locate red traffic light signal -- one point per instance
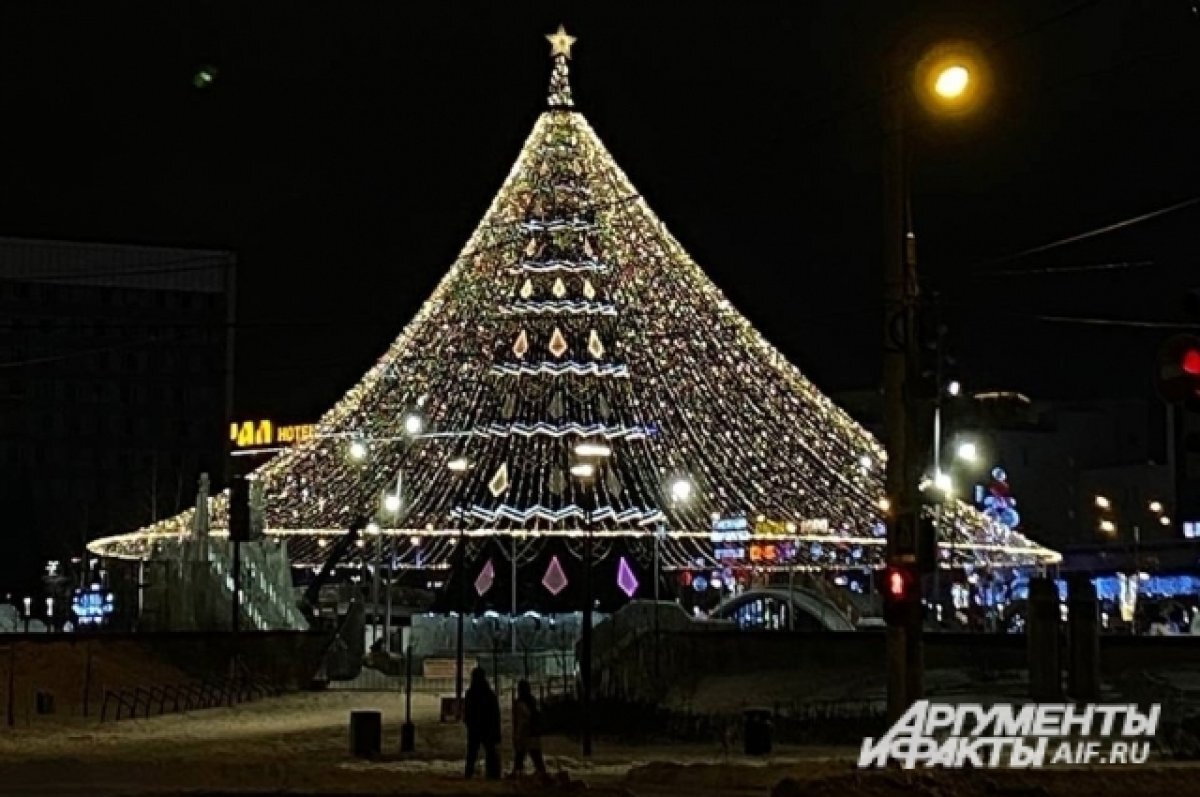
(900, 587)
(1178, 373)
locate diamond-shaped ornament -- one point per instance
(587, 248)
(558, 344)
(555, 580)
(486, 577)
(508, 407)
(521, 345)
(499, 483)
(612, 483)
(589, 292)
(556, 408)
(527, 289)
(602, 408)
(559, 289)
(595, 347)
(626, 580)
(557, 481)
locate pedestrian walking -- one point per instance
(527, 731)
(481, 713)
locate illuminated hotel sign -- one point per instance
(735, 540)
(262, 434)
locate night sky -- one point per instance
(345, 152)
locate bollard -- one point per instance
(1083, 638)
(1042, 640)
(366, 733)
(756, 731)
(408, 732)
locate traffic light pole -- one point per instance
(900, 372)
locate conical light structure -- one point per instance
(572, 313)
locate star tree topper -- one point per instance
(560, 42)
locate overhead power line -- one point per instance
(1083, 236)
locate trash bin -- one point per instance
(366, 733)
(756, 731)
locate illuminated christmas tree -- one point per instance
(573, 316)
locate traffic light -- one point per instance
(239, 509)
(900, 586)
(1178, 381)
(1178, 374)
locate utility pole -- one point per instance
(585, 643)
(460, 569)
(900, 373)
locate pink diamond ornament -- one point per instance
(555, 579)
(483, 582)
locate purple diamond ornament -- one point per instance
(626, 580)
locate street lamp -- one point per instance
(681, 489)
(952, 81)
(943, 90)
(968, 451)
(414, 424)
(1102, 502)
(586, 472)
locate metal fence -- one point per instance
(141, 701)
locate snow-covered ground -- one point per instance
(298, 744)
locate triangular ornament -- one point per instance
(558, 289)
(555, 580)
(589, 292)
(499, 483)
(527, 289)
(531, 248)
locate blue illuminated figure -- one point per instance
(997, 502)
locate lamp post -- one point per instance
(358, 451)
(460, 567)
(586, 469)
(681, 492)
(947, 83)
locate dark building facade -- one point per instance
(115, 388)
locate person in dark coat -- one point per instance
(527, 731)
(481, 713)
